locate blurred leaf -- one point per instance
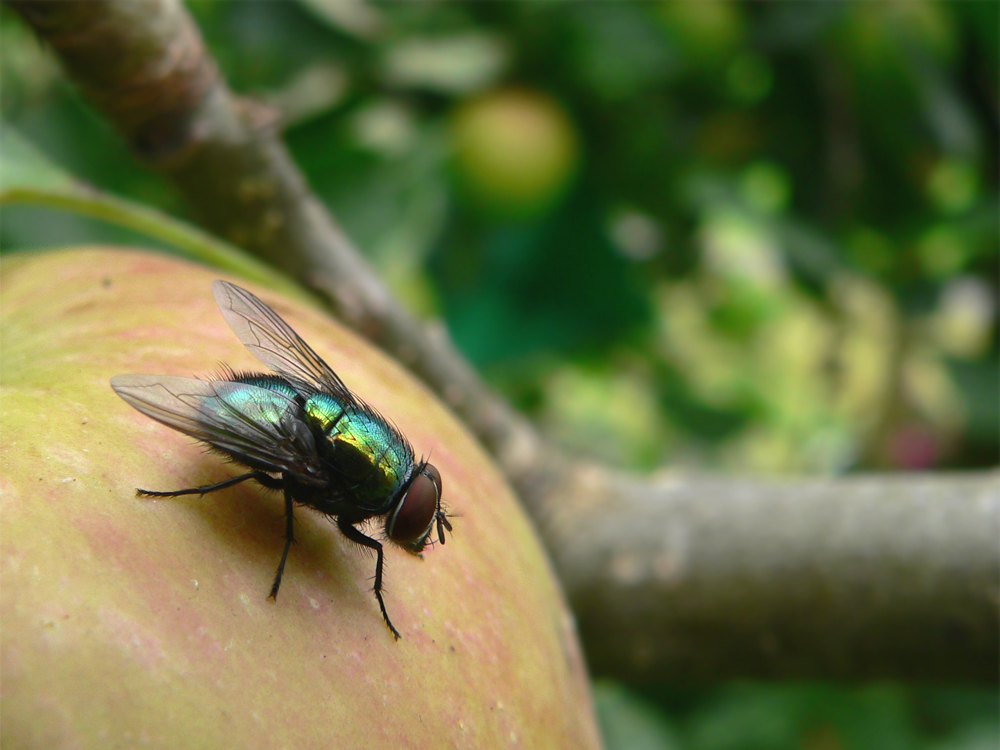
(979, 736)
(24, 167)
(553, 286)
(977, 383)
(629, 722)
(352, 16)
(461, 64)
(707, 33)
(315, 90)
(28, 177)
(953, 185)
(618, 50)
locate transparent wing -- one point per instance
(254, 425)
(273, 342)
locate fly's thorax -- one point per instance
(325, 412)
(367, 457)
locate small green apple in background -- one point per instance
(516, 152)
(131, 621)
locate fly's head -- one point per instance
(418, 510)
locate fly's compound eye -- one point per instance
(410, 523)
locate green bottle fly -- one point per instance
(300, 431)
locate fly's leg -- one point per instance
(289, 538)
(442, 523)
(356, 536)
(265, 479)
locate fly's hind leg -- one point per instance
(263, 478)
(289, 538)
(356, 536)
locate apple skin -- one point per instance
(130, 621)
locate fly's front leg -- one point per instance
(356, 536)
(289, 538)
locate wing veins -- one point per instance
(272, 341)
(196, 408)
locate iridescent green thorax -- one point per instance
(365, 449)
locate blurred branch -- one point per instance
(867, 577)
(671, 579)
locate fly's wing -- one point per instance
(273, 342)
(257, 426)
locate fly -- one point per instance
(300, 431)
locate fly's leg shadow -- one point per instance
(262, 478)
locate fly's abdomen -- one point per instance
(268, 402)
(268, 382)
(258, 408)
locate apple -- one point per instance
(132, 622)
(516, 152)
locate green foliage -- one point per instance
(746, 236)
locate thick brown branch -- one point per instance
(672, 579)
(143, 66)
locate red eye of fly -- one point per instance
(412, 519)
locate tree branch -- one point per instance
(866, 577)
(671, 579)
